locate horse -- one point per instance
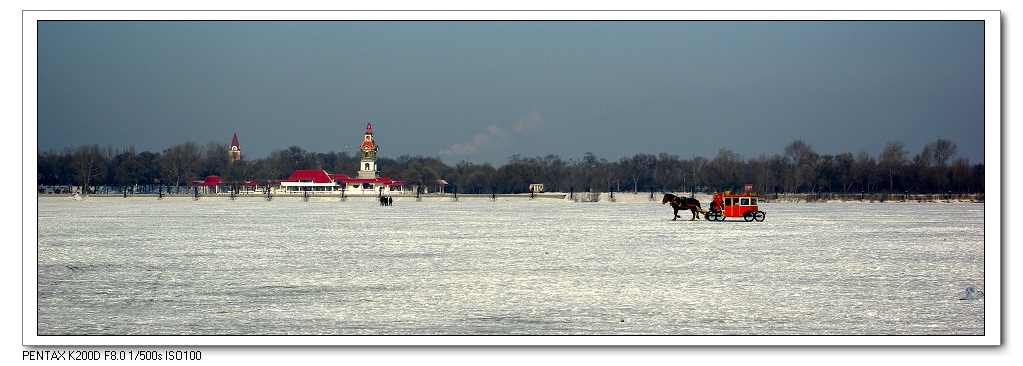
(683, 203)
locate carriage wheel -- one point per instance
(719, 216)
(748, 216)
(759, 216)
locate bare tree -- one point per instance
(128, 169)
(805, 164)
(961, 174)
(893, 159)
(87, 163)
(844, 170)
(638, 167)
(214, 159)
(180, 162)
(722, 171)
(943, 151)
(52, 168)
(694, 167)
(865, 170)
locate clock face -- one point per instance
(234, 148)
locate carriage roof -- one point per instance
(734, 194)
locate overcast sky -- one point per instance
(484, 91)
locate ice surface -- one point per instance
(142, 266)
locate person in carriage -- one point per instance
(717, 204)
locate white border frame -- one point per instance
(992, 148)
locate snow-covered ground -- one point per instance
(215, 266)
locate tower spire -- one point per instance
(368, 155)
(235, 153)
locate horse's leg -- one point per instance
(676, 215)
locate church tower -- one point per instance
(235, 153)
(368, 155)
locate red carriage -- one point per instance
(730, 204)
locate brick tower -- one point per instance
(235, 153)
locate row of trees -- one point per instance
(799, 169)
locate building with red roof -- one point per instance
(368, 182)
(319, 181)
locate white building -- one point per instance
(369, 181)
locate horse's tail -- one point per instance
(698, 208)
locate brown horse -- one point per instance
(683, 203)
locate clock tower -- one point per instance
(368, 155)
(235, 153)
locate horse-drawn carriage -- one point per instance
(735, 205)
(723, 205)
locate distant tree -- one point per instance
(345, 164)
(668, 173)
(637, 167)
(594, 173)
(800, 169)
(943, 150)
(180, 163)
(864, 171)
(978, 178)
(419, 170)
(480, 179)
(722, 172)
(920, 174)
(843, 171)
(282, 163)
(825, 172)
(328, 161)
(693, 168)
(88, 163)
(214, 160)
(151, 166)
(893, 160)
(241, 171)
(516, 177)
(804, 164)
(939, 175)
(768, 172)
(554, 173)
(962, 176)
(129, 170)
(297, 158)
(52, 169)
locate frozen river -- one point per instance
(142, 266)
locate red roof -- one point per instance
(234, 141)
(321, 176)
(385, 181)
(317, 176)
(368, 143)
(210, 181)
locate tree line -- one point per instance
(798, 169)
